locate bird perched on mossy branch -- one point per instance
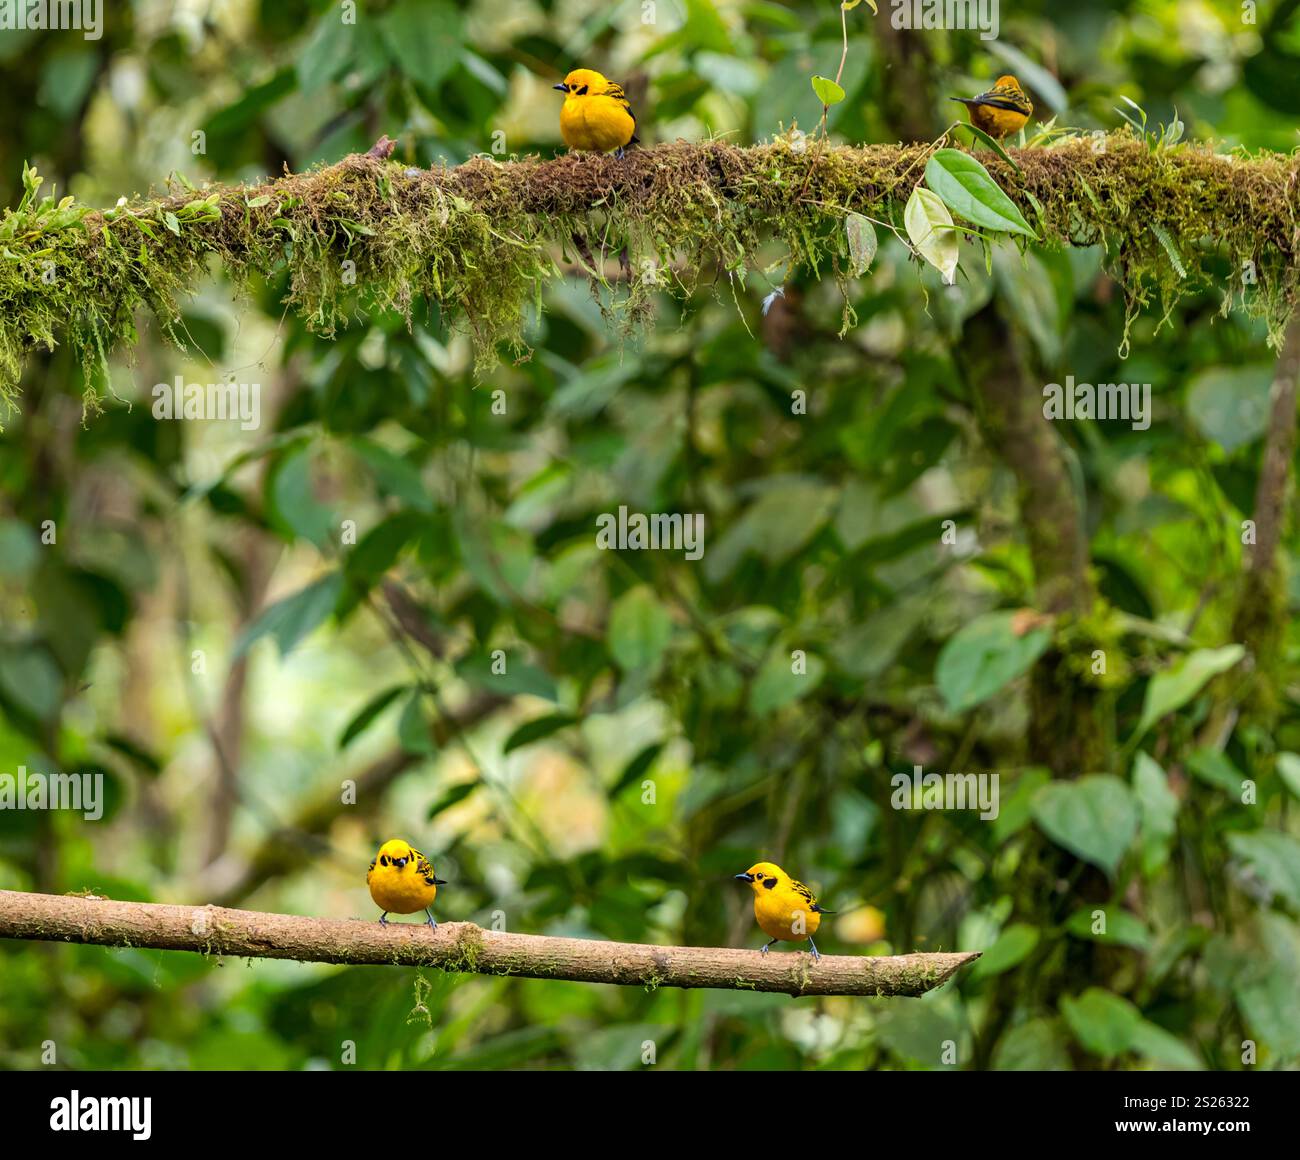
(785, 909)
(1002, 110)
(596, 116)
(402, 881)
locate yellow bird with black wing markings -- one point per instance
(784, 909)
(596, 116)
(1002, 110)
(402, 881)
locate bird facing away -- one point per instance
(1003, 109)
(596, 116)
(784, 909)
(401, 881)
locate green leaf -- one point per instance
(378, 550)
(454, 796)
(1104, 1024)
(30, 678)
(291, 619)
(413, 732)
(828, 92)
(169, 220)
(18, 548)
(1172, 689)
(1214, 767)
(1095, 818)
(993, 143)
(636, 769)
(425, 38)
(1035, 1045)
(535, 730)
(1230, 405)
(1012, 947)
(786, 516)
(930, 226)
(777, 684)
(366, 716)
(395, 476)
(861, 237)
(985, 656)
(520, 679)
(1274, 858)
(498, 557)
(1154, 1043)
(1265, 988)
(1024, 281)
(1288, 769)
(1121, 927)
(1017, 807)
(292, 498)
(968, 189)
(639, 630)
(1157, 812)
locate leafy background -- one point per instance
(326, 661)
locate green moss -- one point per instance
(469, 945)
(477, 243)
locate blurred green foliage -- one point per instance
(653, 731)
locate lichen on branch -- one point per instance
(478, 241)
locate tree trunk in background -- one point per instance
(1261, 606)
(1068, 729)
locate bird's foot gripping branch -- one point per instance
(478, 241)
(461, 946)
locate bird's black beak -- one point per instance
(562, 88)
(440, 882)
(744, 878)
(399, 862)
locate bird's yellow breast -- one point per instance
(401, 891)
(997, 122)
(596, 123)
(784, 914)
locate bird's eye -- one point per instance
(582, 92)
(383, 859)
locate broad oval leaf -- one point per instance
(1094, 818)
(31, 679)
(639, 630)
(861, 236)
(1176, 686)
(828, 92)
(777, 684)
(1011, 948)
(1157, 811)
(291, 619)
(968, 189)
(930, 226)
(1103, 1023)
(984, 656)
(1275, 859)
(1230, 405)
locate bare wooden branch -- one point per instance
(461, 946)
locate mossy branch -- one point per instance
(461, 946)
(477, 242)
